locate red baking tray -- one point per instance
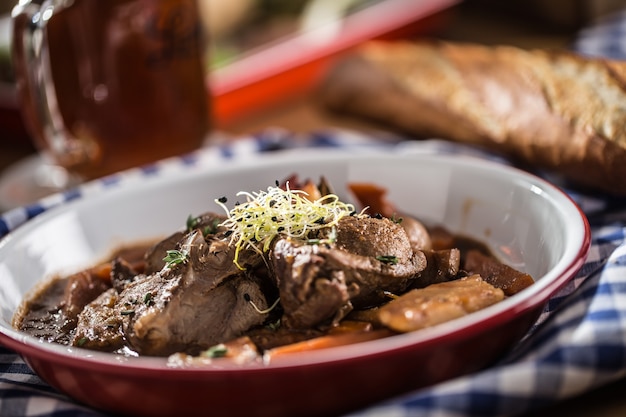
(292, 66)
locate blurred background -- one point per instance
(244, 28)
(265, 56)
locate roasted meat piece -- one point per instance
(202, 300)
(122, 273)
(368, 258)
(155, 256)
(441, 266)
(500, 275)
(82, 288)
(100, 324)
(206, 223)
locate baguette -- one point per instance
(548, 110)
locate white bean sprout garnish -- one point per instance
(277, 211)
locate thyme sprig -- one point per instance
(388, 259)
(175, 257)
(217, 351)
(332, 238)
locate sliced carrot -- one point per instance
(102, 271)
(372, 196)
(311, 190)
(328, 341)
(347, 326)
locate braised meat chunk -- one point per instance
(189, 305)
(441, 266)
(207, 223)
(510, 280)
(99, 324)
(82, 288)
(367, 258)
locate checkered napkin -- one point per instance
(579, 342)
(606, 38)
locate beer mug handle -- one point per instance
(35, 86)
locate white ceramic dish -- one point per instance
(527, 222)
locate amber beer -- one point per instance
(110, 84)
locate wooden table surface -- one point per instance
(467, 23)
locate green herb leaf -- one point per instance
(217, 351)
(147, 299)
(395, 219)
(192, 222)
(175, 257)
(388, 259)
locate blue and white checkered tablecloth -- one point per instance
(578, 344)
(605, 38)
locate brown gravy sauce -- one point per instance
(41, 313)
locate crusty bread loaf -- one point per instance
(553, 110)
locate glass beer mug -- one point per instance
(105, 85)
